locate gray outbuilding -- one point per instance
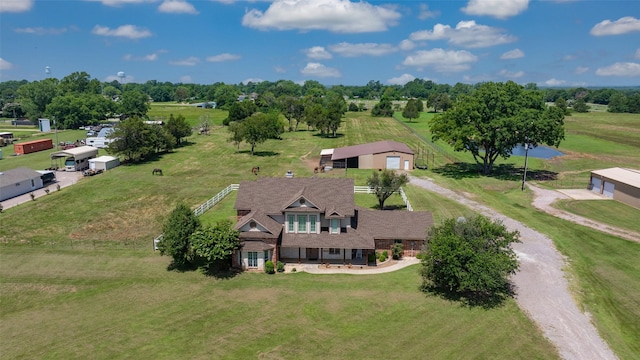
(618, 183)
(104, 162)
(18, 181)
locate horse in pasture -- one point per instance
(255, 170)
(156, 171)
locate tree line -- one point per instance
(85, 99)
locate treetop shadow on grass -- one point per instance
(471, 299)
(260, 153)
(329, 136)
(508, 172)
(215, 271)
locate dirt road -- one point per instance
(542, 287)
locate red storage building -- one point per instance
(32, 146)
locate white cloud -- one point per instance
(637, 54)
(15, 5)
(319, 70)
(510, 74)
(512, 54)
(126, 31)
(442, 60)
(620, 69)
(190, 61)
(116, 3)
(370, 49)
(500, 9)
(41, 31)
(466, 34)
(5, 65)
(401, 80)
(406, 44)
(149, 57)
(340, 16)
(223, 57)
(425, 13)
(623, 25)
(177, 7)
(186, 79)
(554, 82)
(318, 53)
(581, 70)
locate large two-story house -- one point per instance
(316, 220)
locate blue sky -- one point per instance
(549, 42)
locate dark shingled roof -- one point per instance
(259, 217)
(370, 148)
(255, 246)
(352, 239)
(272, 195)
(394, 224)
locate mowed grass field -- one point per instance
(59, 266)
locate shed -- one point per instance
(18, 181)
(618, 183)
(32, 146)
(45, 125)
(104, 162)
(385, 154)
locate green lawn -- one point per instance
(609, 212)
(78, 276)
(124, 304)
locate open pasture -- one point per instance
(57, 268)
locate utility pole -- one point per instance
(55, 124)
(526, 157)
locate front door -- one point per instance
(312, 253)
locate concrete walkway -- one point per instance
(356, 270)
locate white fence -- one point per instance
(204, 207)
(369, 190)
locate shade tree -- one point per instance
(385, 183)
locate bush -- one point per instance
(280, 266)
(396, 251)
(385, 254)
(382, 257)
(371, 257)
(269, 268)
(294, 270)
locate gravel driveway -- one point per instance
(541, 286)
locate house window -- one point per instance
(33, 184)
(312, 224)
(335, 226)
(253, 259)
(334, 251)
(266, 255)
(302, 223)
(291, 219)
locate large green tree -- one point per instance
(383, 108)
(74, 110)
(177, 230)
(134, 103)
(34, 97)
(213, 246)
(257, 129)
(496, 118)
(471, 257)
(385, 183)
(410, 110)
(178, 127)
(135, 140)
